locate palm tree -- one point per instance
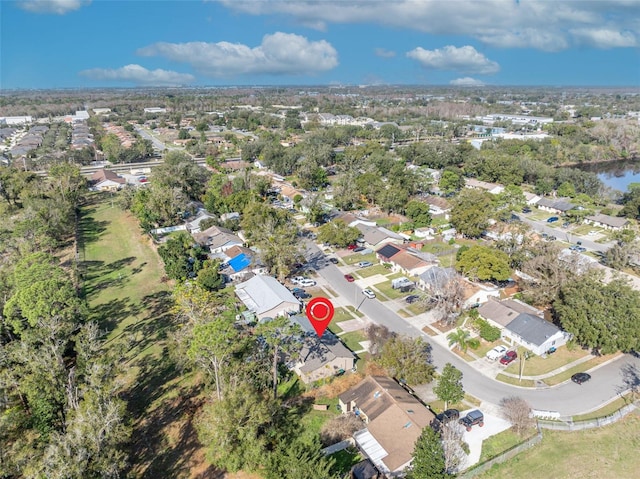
(462, 340)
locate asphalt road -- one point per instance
(157, 144)
(562, 234)
(568, 398)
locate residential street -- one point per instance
(567, 398)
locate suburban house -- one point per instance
(436, 278)
(531, 198)
(524, 325)
(437, 205)
(240, 262)
(493, 188)
(266, 297)
(555, 205)
(107, 180)
(217, 239)
(321, 358)
(376, 236)
(405, 260)
(193, 226)
(613, 223)
(394, 420)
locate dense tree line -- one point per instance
(60, 414)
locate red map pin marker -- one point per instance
(320, 313)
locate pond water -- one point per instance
(617, 175)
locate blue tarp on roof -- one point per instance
(240, 262)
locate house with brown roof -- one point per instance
(613, 223)
(493, 188)
(406, 260)
(394, 420)
(107, 180)
(376, 236)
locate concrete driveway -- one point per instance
(493, 425)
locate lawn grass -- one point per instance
(357, 257)
(121, 281)
(607, 410)
(498, 443)
(566, 375)
(372, 270)
(353, 310)
(525, 383)
(417, 308)
(352, 340)
(385, 288)
(345, 460)
(537, 365)
(606, 452)
(341, 314)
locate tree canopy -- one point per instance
(601, 316)
(484, 263)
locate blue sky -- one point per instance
(113, 43)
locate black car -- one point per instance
(412, 299)
(333, 260)
(472, 418)
(580, 378)
(357, 249)
(444, 418)
(301, 295)
(526, 210)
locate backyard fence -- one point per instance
(506, 455)
(587, 424)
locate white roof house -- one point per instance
(267, 297)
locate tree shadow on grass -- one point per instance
(110, 315)
(164, 441)
(90, 230)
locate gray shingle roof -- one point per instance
(532, 329)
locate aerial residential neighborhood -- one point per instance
(324, 240)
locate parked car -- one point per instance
(358, 249)
(553, 219)
(526, 209)
(412, 299)
(496, 352)
(551, 238)
(333, 260)
(349, 278)
(509, 357)
(566, 224)
(445, 417)
(580, 378)
(301, 295)
(297, 290)
(352, 246)
(365, 264)
(297, 279)
(472, 418)
(369, 294)
(307, 282)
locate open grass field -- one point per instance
(607, 452)
(121, 275)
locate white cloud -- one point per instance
(466, 81)
(541, 24)
(139, 75)
(463, 59)
(384, 53)
(279, 54)
(59, 7)
(605, 38)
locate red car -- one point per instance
(509, 357)
(352, 246)
(349, 278)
